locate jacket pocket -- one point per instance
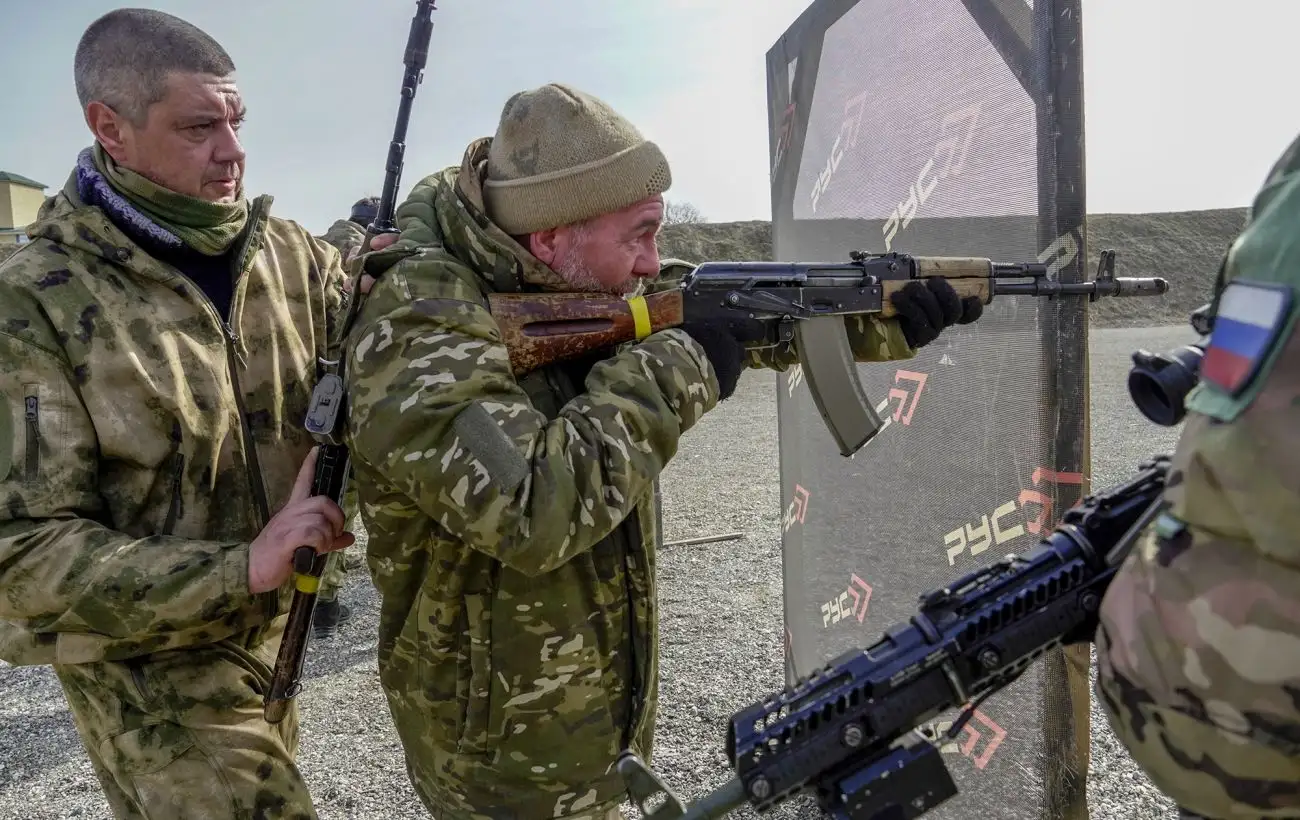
(32, 432)
(174, 508)
(139, 679)
(476, 730)
(558, 682)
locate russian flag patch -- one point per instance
(1246, 326)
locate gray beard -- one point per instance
(576, 273)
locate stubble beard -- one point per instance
(577, 274)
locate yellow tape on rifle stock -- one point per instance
(306, 584)
(640, 316)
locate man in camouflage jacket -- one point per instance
(1199, 643)
(158, 346)
(513, 521)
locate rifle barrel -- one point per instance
(415, 58)
(1118, 286)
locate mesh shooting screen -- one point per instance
(923, 126)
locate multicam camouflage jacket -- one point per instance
(144, 439)
(1199, 645)
(345, 235)
(512, 522)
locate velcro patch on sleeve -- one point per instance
(1249, 322)
(483, 437)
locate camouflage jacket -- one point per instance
(345, 235)
(145, 440)
(1199, 644)
(513, 522)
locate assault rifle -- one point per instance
(855, 733)
(327, 399)
(800, 303)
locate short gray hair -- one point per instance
(124, 57)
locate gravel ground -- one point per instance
(721, 634)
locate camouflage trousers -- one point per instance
(331, 580)
(181, 734)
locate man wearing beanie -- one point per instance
(513, 521)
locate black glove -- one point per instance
(724, 344)
(926, 308)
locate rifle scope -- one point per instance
(1159, 383)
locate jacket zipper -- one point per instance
(624, 536)
(631, 530)
(174, 511)
(178, 472)
(32, 412)
(138, 677)
(271, 599)
(252, 464)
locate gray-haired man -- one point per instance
(158, 346)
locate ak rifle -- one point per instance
(798, 303)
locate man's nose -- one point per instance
(647, 263)
(228, 150)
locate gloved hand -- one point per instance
(724, 344)
(926, 308)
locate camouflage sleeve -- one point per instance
(871, 338)
(337, 297)
(434, 407)
(335, 282)
(61, 570)
(1199, 642)
(345, 236)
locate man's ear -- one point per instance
(544, 244)
(108, 128)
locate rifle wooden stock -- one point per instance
(974, 286)
(542, 328)
(954, 267)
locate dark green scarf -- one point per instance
(209, 228)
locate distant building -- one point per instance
(20, 199)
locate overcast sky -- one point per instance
(1187, 104)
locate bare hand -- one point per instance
(380, 242)
(304, 521)
(367, 282)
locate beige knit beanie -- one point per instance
(562, 156)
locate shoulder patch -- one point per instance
(1253, 322)
(1249, 322)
